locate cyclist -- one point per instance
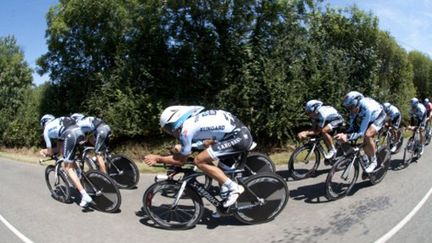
(190, 124)
(395, 118)
(325, 119)
(428, 106)
(64, 129)
(372, 116)
(418, 117)
(100, 131)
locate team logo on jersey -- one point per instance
(212, 128)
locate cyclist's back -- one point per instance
(217, 125)
(369, 111)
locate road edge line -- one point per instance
(405, 220)
(15, 231)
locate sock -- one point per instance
(230, 184)
(83, 192)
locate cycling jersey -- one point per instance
(230, 134)
(64, 128)
(428, 107)
(418, 115)
(370, 112)
(326, 115)
(100, 130)
(394, 116)
(56, 128)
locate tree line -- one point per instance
(125, 60)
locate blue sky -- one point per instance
(409, 21)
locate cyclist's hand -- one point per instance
(301, 135)
(177, 148)
(44, 152)
(342, 137)
(151, 159)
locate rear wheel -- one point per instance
(123, 171)
(341, 178)
(159, 204)
(58, 186)
(409, 152)
(265, 196)
(383, 157)
(258, 163)
(304, 162)
(105, 194)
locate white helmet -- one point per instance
(414, 102)
(312, 106)
(173, 117)
(386, 106)
(352, 99)
(426, 100)
(46, 118)
(77, 116)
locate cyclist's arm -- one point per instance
(363, 127)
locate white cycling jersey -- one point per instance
(89, 124)
(211, 124)
(55, 129)
(393, 112)
(418, 112)
(326, 114)
(369, 111)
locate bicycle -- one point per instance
(177, 203)
(105, 194)
(344, 173)
(412, 148)
(393, 137)
(428, 135)
(120, 168)
(305, 159)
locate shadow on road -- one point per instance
(207, 219)
(285, 174)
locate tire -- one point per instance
(123, 171)
(336, 186)
(158, 200)
(300, 168)
(383, 155)
(268, 186)
(409, 152)
(258, 163)
(60, 191)
(103, 190)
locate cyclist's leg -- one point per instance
(72, 138)
(102, 135)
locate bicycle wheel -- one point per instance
(158, 203)
(258, 163)
(341, 178)
(304, 162)
(266, 195)
(58, 185)
(123, 171)
(409, 152)
(105, 194)
(383, 157)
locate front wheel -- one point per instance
(123, 171)
(304, 162)
(265, 196)
(58, 184)
(341, 178)
(169, 210)
(105, 194)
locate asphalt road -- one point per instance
(365, 216)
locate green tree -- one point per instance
(15, 79)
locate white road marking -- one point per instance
(405, 220)
(15, 231)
